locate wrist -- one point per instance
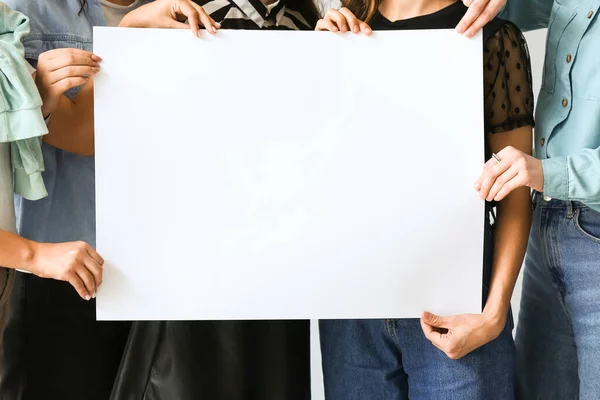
(495, 316)
(29, 260)
(45, 112)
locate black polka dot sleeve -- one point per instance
(507, 77)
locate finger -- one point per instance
(326, 25)
(59, 53)
(490, 177)
(68, 60)
(94, 254)
(88, 279)
(72, 71)
(194, 24)
(210, 24)
(486, 167)
(69, 83)
(193, 18)
(513, 184)
(471, 15)
(467, 3)
(78, 285)
(365, 28)
(436, 321)
(353, 22)
(501, 181)
(96, 270)
(338, 19)
(434, 336)
(489, 12)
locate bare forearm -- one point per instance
(15, 251)
(71, 126)
(511, 232)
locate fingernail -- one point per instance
(218, 24)
(96, 58)
(94, 296)
(356, 29)
(367, 31)
(87, 297)
(95, 69)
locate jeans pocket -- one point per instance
(587, 223)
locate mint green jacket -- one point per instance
(567, 132)
(21, 120)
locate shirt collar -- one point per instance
(257, 12)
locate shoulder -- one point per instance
(499, 33)
(58, 23)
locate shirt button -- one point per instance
(590, 14)
(542, 141)
(565, 102)
(569, 58)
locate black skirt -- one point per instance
(216, 360)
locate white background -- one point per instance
(536, 41)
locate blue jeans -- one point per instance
(558, 335)
(392, 360)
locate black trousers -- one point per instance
(216, 360)
(54, 349)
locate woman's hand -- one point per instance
(60, 70)
(459, 335)
(342, 20)
(171, 14)
(480, 12)
(515, 169)
(74, 262)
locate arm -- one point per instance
(75, 262)
(526, 14)
(575, 177)
(459, 335)
(71, 127)
(510, 136)
(511, 232)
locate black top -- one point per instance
(253, 14)
(508, 88)
(508, 91)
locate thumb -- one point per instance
(436, 320)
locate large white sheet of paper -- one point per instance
(267, 175)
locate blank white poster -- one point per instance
(284, 175)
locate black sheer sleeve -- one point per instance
(507, 77)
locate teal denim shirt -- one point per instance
(21, 121)
(567, 133)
